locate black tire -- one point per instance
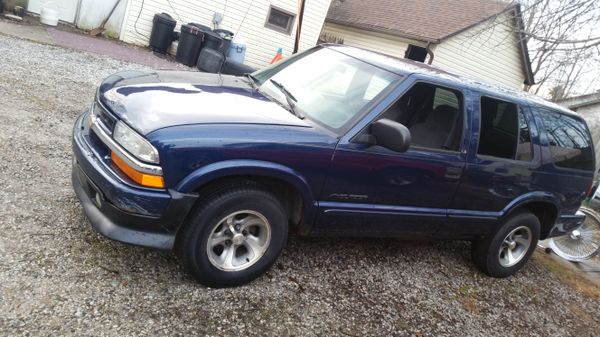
(486, 251)
(193, 237)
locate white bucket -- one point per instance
(49, 16)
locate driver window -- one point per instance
(433, 114)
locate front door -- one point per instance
(373, 190)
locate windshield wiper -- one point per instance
(291, 100)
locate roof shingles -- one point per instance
(425, 20)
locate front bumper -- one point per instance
(117, 208)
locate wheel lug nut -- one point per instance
(237, 227)
(245, 232)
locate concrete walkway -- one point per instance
(98, 45)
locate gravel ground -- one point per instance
(58, 277)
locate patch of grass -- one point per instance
(470, 297)
(585, 318)
(568, 276)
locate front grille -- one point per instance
(107, 121)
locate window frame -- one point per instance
(520, 108)
(461, 108)
(292, 19)
(521, 112)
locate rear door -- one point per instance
(500, 167)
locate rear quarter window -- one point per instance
(569, 140)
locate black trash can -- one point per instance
(201, 27)
(210, 60)
(227, 36)
(190, 42)
(212, 41)
(231, 67)
(162, 32)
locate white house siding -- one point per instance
(382, 43)
(591, 114)
(93, 12)
(487, 52)
(262, 42)
(67, 9)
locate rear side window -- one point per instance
(504, 131)
(569, 141)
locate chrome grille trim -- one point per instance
(122, 153)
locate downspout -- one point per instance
(299, 28)
(429, 52)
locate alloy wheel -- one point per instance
(514, 247)
(238, 241)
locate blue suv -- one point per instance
(331, 141)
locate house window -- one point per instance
(280, 20)
(415, 53)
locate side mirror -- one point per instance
(391, 135)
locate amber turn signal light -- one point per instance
(143, 179)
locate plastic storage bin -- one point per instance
(237, 50)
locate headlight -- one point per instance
(135, 144)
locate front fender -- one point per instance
(232, 168)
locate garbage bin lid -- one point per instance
(165, 18)
(224, 33)
(192, 29)
(212, 36)
(201, 27)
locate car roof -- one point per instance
(405, 67)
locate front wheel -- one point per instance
(506, 251)
(234, 237)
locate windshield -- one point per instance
(325, 86)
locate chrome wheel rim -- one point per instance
(238, 240)
(581, 243)
(514, 247)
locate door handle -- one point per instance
(453, 173)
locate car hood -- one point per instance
(148, 101)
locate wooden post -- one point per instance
(299, 29)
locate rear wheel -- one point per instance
(506, 251)
(234, 237)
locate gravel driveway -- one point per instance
(58, 277)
